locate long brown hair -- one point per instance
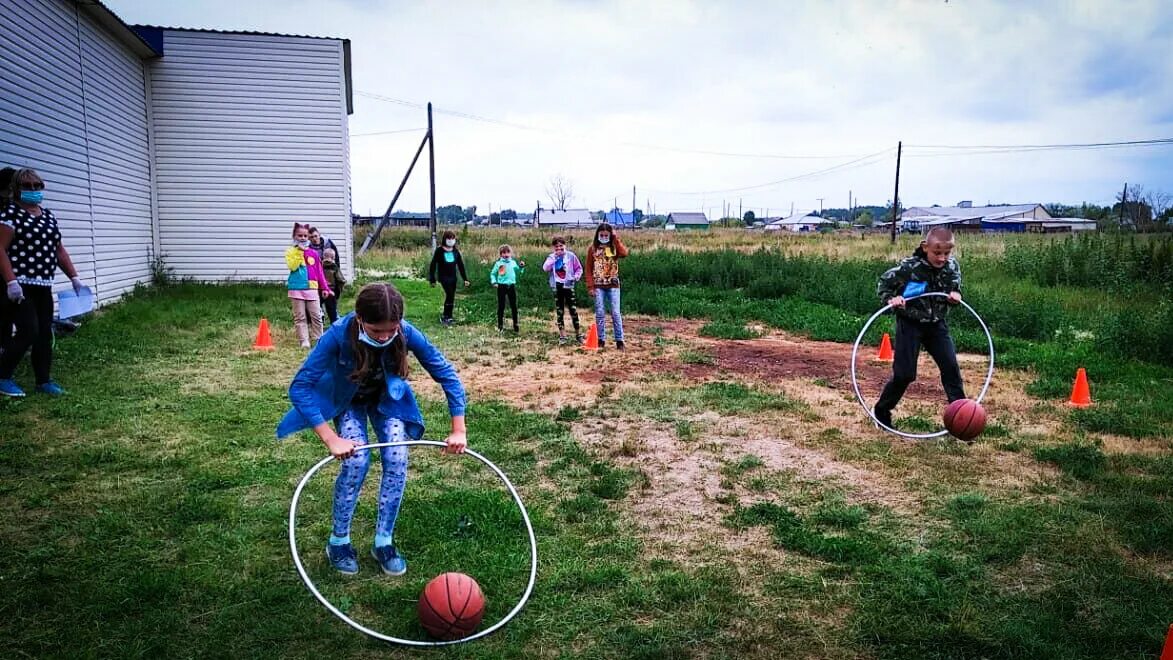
(377, 303)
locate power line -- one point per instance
(1077, 145)
(870, 159)
(637, 145)
(402, 130)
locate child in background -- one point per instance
(565, 270)
(305, 280)
(446, 261)
(931, 268)
(334, 278)
(359, 372)
(503, 277)
(602, 280)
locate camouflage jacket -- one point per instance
(915, 275)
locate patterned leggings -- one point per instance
(353, 426)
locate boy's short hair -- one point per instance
(505, 248)
(556, 241)
(329, 254)
(939, 235)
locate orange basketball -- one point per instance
(965, 419)
(451, 606)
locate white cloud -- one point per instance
(837, 78)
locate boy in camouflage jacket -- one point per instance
(922, 321)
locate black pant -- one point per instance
(910, 335)
(506, 291)
(330, 305)
(449, 298)
(34, 328)
(564, 299)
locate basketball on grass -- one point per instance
(451, 606)
(965, 419)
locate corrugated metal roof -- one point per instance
(677, 218)
(247, 32)
(1000, 210)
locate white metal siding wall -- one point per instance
(42, 124)
(92, 176)
(250, 136)
(120, 172)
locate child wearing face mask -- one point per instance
(305, 280)
(503, 277)
(358, 373)
(565, 270)
(602, 281)
(446, 261)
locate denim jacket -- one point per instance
(322, 389)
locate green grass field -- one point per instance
(145, 512)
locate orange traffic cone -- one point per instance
(1167, 654)
(264, 342)
(592, 339)
(1081, 396)
(886, 354)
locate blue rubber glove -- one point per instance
(78, 285)
(15, 293)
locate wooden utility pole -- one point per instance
(1123, 200)
(896, 195)
(633, 222)
(820, 206)
(432, 172)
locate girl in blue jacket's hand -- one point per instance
(358, 372)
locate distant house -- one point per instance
(618, 218)
(799, 222)
(397, 219)
(684, 220)
(564, 218)
(999, 218)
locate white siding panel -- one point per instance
(43, 126)
(83, 128)
(120, 181)
(250, 135)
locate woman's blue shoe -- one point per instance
(389, 560)
(8, 387)
(50, 388)
(343, 558)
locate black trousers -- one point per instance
(449, 298)
(910, 336)
(34, 328)
(330, 305)
(564, 300)
(506, 291)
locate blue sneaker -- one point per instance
(389, 559)
(50, 388)
(8, 387)
(343, 558)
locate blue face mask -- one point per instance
(302, 244)
(32, 196)
(369, 341)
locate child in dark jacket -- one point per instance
(335, 279)
(446, 262)
(922, 321)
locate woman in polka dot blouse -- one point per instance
(30, 253)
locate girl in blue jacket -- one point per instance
(358, 372)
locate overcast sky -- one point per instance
(703, 103)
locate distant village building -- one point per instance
(563, 218)
(966, 217)
(617, 218)
(683, 220)
(798, 222)
(154, 141)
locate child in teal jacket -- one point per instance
(503, 277)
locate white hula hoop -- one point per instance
(855, 381)
(533, 542)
